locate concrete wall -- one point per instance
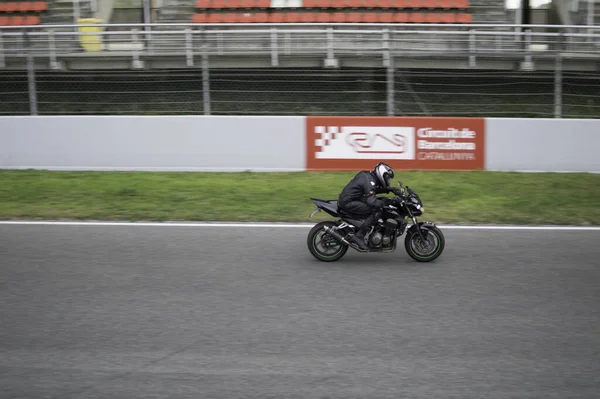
(563, 145)
(202, 143)
(254, 143)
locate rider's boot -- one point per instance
(359, 240)
(359, 237)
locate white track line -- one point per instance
(276, 225)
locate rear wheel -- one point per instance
(425, 251)
(323, 246)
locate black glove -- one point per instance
(396, 191)
(389, 201)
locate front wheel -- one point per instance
(323, 246)
(425, 251)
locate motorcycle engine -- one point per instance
(386, 240)
(376, 238)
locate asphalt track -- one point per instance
(228, 312)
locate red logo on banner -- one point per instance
(354, 143)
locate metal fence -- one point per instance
(475, 70)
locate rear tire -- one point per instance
(323, 246)
(432, 249)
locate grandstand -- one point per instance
(62, 12)
(57, 12)
(331, 11)
(51, 12)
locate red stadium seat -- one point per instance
(417, 18)
(401, 17)
(433, 18)
(338, 4)
(230, 18)
(25, 6)
(338, 17)
(386, 17)
(308, 17)
(261, 17)
(354, 17)
(448, 18)
(17, 21)
(219, 4)
(369, 17)
(32, 20)
(199, 18)
(292, 17)
(464, 18)
(11, 7)
(203, 4)
(245, 17)
(323, 17)
(215, 18)
(276, 17)
(462, 4)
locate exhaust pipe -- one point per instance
(336, 235)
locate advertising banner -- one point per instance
(417, 143)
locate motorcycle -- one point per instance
(328, 240)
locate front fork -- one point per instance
(417, 226)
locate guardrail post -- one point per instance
(274, 48)
(287, 43)
(76, 11)
(558, 72)
(472, 49)
(388, 62)
(331, 61)
(189, 49)
(33, 104)
(52, 41)
(205, 78)
(147, 20)
(590, 19)
(528, 58)
(2, 59)
(136, 63)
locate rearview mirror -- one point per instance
(399, 183)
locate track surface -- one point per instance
(144, 312)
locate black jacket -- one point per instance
(363, 187)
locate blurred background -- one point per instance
(484, 58)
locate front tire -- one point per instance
(323, 246)
(428, 251)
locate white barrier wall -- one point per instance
(201, 143)
(557, 145)
(255, 143)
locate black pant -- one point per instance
(357, 208)
(360, 208)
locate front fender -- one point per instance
(413, 228)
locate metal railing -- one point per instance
(187, 40)
(359, 69)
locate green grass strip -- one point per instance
(449, 197)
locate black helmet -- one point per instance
(384, 173)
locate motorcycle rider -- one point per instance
(359, 198)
